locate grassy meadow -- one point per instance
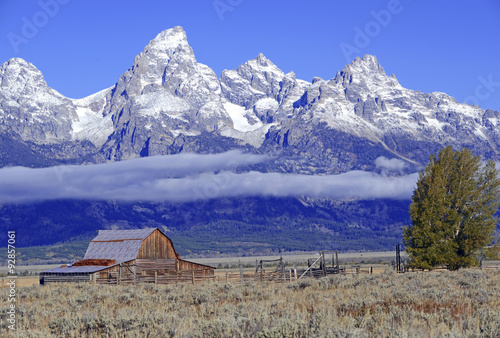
(463, 303)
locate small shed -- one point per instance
(124, 256)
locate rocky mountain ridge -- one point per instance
(167, 103)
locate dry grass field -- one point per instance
(21, 281)
(465, 303)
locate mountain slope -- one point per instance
(168, 103)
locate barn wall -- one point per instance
(152, 265)
(185, 265)
(64, 278)
(156, 246)
(113, 272)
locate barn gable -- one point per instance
(145, 250)
(127, 245)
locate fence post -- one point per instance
(261, 275)
(226, 276)
(295, 273)
(156, 277)
(133, 271)
(192, 276)
(323, 264)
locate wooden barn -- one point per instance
(130, 256)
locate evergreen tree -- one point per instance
(453, 211)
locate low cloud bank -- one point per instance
(191, 177)
(392, 164)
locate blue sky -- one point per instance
(84, 46)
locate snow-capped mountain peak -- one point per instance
(168, 42)
(29, 107)
(254, 80)
(366, 72)
(168, 102)
(366, 65)
(19, 77)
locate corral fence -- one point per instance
(149, 271)
(327, 263)
(197, 276)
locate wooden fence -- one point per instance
(199, 276)
(166, 277)
(356, 270)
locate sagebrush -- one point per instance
(445, 303)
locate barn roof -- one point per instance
(121, 235)
(78, 269)
(121, 251)
(120, 245)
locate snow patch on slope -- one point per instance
(91, 124)
(266, 104)
(239, 117)
(152, 104)
(246, 126)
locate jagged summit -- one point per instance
(366, 67)
(255, 79)
(367, 74)
(169, 42)
(260, 64)
(367, 64)
(15, 61)
(19, 76)
(31, 109)
(263, 61)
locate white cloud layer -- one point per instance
(392, 164)
(190, 177)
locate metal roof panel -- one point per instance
(120, 235)
(121, 251)
(78, 269)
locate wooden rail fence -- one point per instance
(198, 276)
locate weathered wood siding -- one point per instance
(185, 265)
(159, 265)
(66, 278)
(156, 246)
(113, 271)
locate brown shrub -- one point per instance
(98, 262)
